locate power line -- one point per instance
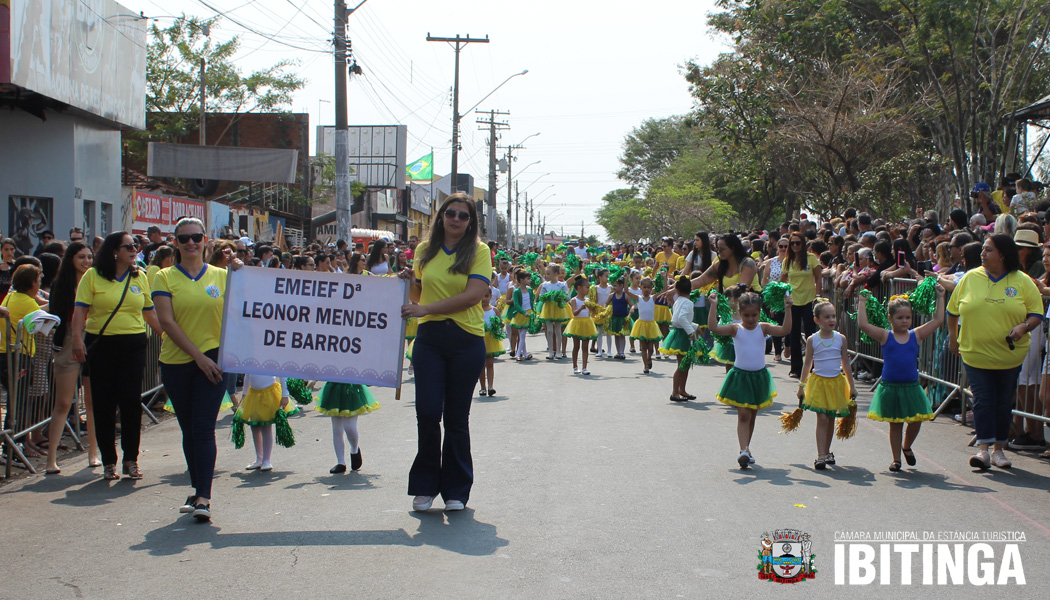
(258, 33)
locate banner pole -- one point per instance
(401, 353)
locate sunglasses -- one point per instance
(184, 238)
(796, 243)
(454, 214)
(79, 239)
(782, 245)
(129, 247)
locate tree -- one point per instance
(623, 215)
(653, 146)
(173, 82)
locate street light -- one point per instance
(457, 116)
(545, 199)
(537, 179)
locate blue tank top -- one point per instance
(621, 307)
(900, 361)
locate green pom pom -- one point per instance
(528, 259)
(536, 281)
(589, 270)
(237, 433)
(694, 296)
(876, 315)
(561, 248)
(299, 391)
(762, 316)
(501, 255)
(659, 282)
(773, 295)
(572, 262)
(615, 273)
(283, 431)
(495, 328)
(923, 298)
(725, 317)
(535, 326)
(698, 353)
(593, 251)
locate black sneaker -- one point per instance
(340, 468)
(355, 460)
(187, 508)
(202, 512)
(1025, 442)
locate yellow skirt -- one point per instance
(259, 407)
(520, 320)
(410, 329)
(647, 331)
(828, 395)
(581, 328)
(550, 312)
(493, 347)
(663, 314)
(563, 313)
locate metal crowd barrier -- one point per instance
(29, 387)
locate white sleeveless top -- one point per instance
(586, 312)
(380, 268)
(603, 294)
(647, 311)
(827, 355)
(750, 347)
(502, 282)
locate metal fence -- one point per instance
(30, 391)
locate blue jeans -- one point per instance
(448, 362)
(993, 401)
(196, 402)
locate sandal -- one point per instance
(1044, 454)
(131, 469)
(689, 396)
(909, 456)
(110, 473)
(492, 392)
(895, 466)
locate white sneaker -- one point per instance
(266, 466)
(750, 457)
(585, 372)
(422, 503)
(454, 505)
(999, 460)
(575, 371)
(255, 465)
(744, 459)
(980, 461)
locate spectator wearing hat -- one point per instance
(1029, 242)
(982, 194)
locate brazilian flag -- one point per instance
(423, 168)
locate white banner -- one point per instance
(316, 326)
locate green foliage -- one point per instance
(653, 147)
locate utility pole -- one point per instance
(459, 42)
(516, 205)
(510, 201)
(490, 200)
(203, 137)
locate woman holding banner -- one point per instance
(451, 276)
(189, 299)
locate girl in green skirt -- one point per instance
(748, 385)
(899, 398)
(344, 402)
(680, 339)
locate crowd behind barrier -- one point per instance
(29, 407)
(29, 397)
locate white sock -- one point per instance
(600, 340)
(350, 427)
(337, 440)
(521, 342)
(267, 440)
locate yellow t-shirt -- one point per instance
(101, 296)
(803, 288)
(196, 301)
(439, 284)
(151, 274)
(671, 260)
(987, 311)
(1004, 203)
(19, 305)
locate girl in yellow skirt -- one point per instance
(635, 279)
(645, 329)
(619, 317)
(899, 399)
(265, 398)
(554, 304)
(564, 312)
(680, 339)
(662, 314)
(410, 335)
(494, 336)
(581, 329)
(519, 311)
(826, 385)
(748, 385)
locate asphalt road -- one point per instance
(595, 487)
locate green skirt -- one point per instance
(700, 315)
(747, 389)
(724, 353)
(619, 326)
(677, 342)
(346, 400)
(900, 403)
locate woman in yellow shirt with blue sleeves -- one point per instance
(113, 304)
(451, 276)
(189, 297)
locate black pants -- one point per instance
(776, 342)
(448, 361)
(196, 401)
(801, 321)
(117, 365)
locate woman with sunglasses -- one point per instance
(733, 267)
(189, 298)
(116, 332)
(803, 271)
(771, 271)
(998, 306)
(451, 276)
